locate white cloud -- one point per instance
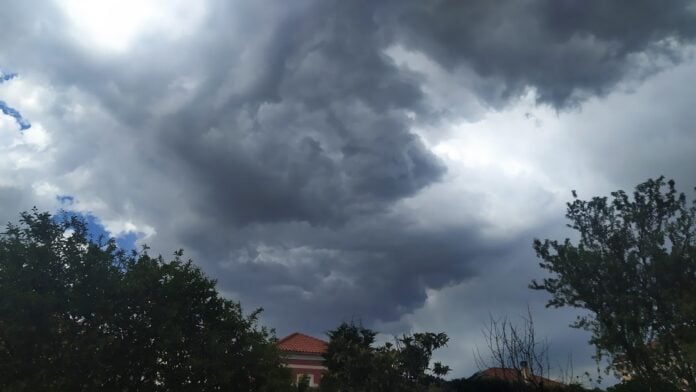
(114, 25)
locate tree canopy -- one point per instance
(355, 364)
(633, 268)
(82, 315)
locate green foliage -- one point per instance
(633, 269)
(494, 385)
(638, 385)
(76, 315)
(355, 365)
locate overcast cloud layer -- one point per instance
(389, 161)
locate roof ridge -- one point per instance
(288, 337)
(302, 343)
(301, 334)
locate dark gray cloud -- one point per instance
(369, 270)
(318, 134)
(12, 201)
(567, 50)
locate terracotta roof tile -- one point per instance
(300, 343)
(512, 375)
(501, 374)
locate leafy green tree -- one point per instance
(80, 315)
(414, 355)
(638, 385)
(498, 385)
(354, 364)
(633, 268)
(349, 358)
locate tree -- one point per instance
(638, 385)
(353, 364)
(78, 315)
(633, 268)
(516, 346)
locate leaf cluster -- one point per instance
(82, 315)
(355, 364)
(496, 385)
(633, 268)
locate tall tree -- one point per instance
(79, 315)
(634, 269)
(354, 364)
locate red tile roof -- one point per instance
(512, 375)
(300, 343)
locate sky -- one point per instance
(383, 161)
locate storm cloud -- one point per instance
(566, 50)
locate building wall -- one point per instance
(310, 365)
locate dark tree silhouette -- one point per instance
(633, 268)
(78, 315)
(355, 365)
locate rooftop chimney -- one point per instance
(524, 367)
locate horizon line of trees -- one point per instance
(78, 314)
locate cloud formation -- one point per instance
(337, 159)
(566, 50)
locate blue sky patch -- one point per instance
(9, 111)
(21, 121)
(65, 200)
(96, 229)
(4, 77)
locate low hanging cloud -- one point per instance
(278, 144)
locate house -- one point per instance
(515, 375)
(304, 356)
